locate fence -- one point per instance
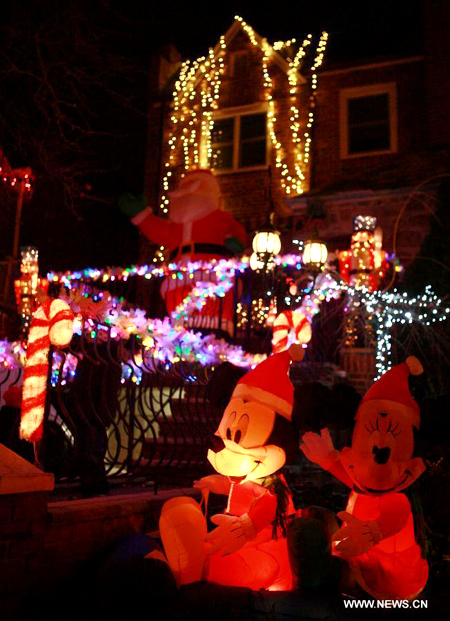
(124, 415)
(114, 413)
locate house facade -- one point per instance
(328, 141)
(245, 111)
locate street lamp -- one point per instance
(315, 254)
(266, 245)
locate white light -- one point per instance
(267, 242)
(315, 253)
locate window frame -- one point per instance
(237, 114)
(358, 92)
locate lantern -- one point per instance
(266, 245)
(315, 254)
(258, 264)
(267, 241)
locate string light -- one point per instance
(71, 279)
(196, 97)
(15, 178)
(320, 52)
(171, 343)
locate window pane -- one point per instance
(365, 138)
(253, 126)
(367, 109)
(252, 153)
(222, 157)
(368, 124)
(223, 131)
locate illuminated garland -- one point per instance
(170, 341)
(389, 308)
(71, 279)
(12, 355)
(196, 96)
(167, 343)
(222, 282)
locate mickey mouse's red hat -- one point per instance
(269, 382)
(194, 171)
(391, 392)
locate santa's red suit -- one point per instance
(197, 230)
(202, 239)
(263, 562)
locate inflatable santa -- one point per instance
(197, 229)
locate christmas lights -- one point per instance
(27, 286)
(166, 342)
(12, 355)
(71, 279)
(389, 308)
(19, 178)
(196, 97)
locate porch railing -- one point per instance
(114, 413)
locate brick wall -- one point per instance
(380, 171)
(340, 208)
(244, 194)
(359, 365)
(437, 49)
(43, 544)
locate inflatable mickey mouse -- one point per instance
(376, 543)
(248, 547)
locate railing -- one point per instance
(123, 415)
(126, 416)
(223, 314)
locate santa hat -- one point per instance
(195, 171)
(269, 382)
(392, 391)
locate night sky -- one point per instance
(88, 229)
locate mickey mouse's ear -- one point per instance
(221, 384)
(414, 365)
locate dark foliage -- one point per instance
(432, 264)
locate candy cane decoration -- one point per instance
(290, 323)
(52, 324)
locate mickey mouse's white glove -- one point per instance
(215, 483)
(231, 534)
(355, 536)
(319, 449)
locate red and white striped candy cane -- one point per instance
(52, 324)
(290, 323)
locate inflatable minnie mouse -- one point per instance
(376, 545)
(248, 547)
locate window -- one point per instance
(239, 142)
(368, 118)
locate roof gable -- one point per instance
(240, 25)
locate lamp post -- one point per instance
(266, 242)
(266, 245)
(315, 255)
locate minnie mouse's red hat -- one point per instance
(392, 391)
